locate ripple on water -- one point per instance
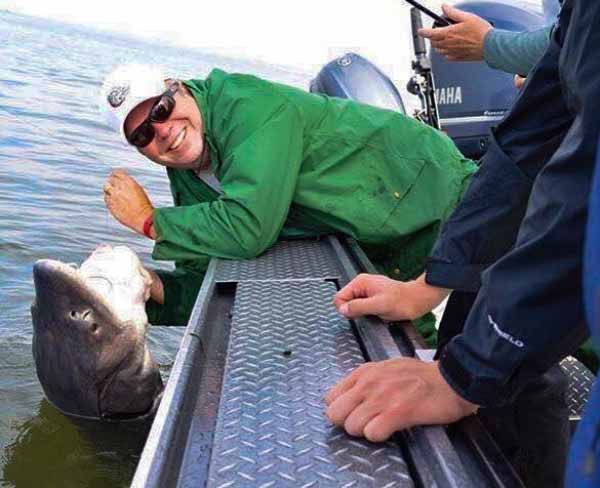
(13, 83)
(55, 154)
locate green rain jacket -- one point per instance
(296, 164)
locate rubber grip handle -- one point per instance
(416, 24)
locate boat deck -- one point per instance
(244, 403)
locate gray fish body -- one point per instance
(89, 336)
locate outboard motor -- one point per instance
(352, 76)
(472, 97)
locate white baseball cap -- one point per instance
(125, 88)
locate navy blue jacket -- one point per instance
(517, 236)
(584, 463)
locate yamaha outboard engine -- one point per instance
(472, 97)
(352, 76)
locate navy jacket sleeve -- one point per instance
(485, 224)
(528, 313)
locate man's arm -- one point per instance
(529, 312)
(515, 52)
(484, 226)
(472, 38)
(261, 162)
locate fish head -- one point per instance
(89, 335)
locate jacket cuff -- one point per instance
(463, 277)
(481, 390)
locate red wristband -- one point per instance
(148, 223)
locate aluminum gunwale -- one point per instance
(163, 430)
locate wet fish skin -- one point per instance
(89, 340)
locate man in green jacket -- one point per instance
(287, 164)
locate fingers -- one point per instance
(118, 179)
(359, 297)
(341, 407)
(448, 43)
(156, 287)
(362, 306)
(441, 33)
(119, 173)
(356, 288)
(455, 14)
(360, 417)
(380, 428)
(519, 81)
(113, 178)
(438, 34)
(381, 398)
(342, 386)
(441, 51)
(359, 408)
(369, 295)
(108, 190)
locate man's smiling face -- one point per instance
(178, 142)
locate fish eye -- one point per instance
(75, 315)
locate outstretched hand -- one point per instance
(378, 399)
(157, 291)
(519, 81)
(127, 201)
(462, 41)
(389, 299)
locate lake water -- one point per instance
(55, 154)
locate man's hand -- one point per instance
(389, 299)
(157, 291)
(462, 41)
(378, 399)
(519, 81)
(127, 201)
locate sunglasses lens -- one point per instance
(160, 112)
(142, 136)
(163, 109)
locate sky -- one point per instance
(303, 34)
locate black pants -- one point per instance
(533, 431)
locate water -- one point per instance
(55, 155)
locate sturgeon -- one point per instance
(89, 336)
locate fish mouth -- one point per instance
(141, 416)
(54, 281)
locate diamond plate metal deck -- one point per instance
(286, 260)
(243, 405)
(271, 430)
(580, 383)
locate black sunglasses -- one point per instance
(160, 112)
